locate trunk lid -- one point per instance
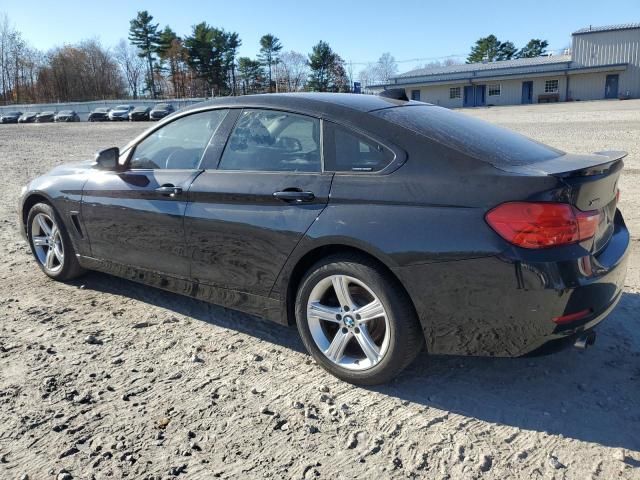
(592, 182)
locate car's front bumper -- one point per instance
(505, 305)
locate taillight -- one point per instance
(542, 225)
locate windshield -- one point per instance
(163, 106)
(466, 134)
(66, 112)
(47, 113)
(122, 107)
(140, 109)
(100, 110)
(13, 114)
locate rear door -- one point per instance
(248, 213)
(135, 217)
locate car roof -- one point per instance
(311, 103)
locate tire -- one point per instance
(340, 339)
(52, 249)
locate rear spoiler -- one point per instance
(395, 94)
(573, 165)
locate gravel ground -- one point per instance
(104, 378)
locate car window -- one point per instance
(269, 140)
(179, 144)
(353, 152)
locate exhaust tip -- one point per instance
(586, 340)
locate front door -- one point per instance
(247, 216)
(468, 100)
(480, 94)
(611, 86)
(135, 217)
(527, 92)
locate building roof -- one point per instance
(480, 67)
(607, 28)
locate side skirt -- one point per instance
(265, 307)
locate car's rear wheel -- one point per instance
(356, 320)
(50, 244)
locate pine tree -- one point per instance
(327, 70)
(535, 48)
(270, 46)
(143, 33)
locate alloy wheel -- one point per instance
(47, 242)
(348, 322)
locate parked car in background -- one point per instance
(67, 116)
(376, 225)
(46, 117)
(161, 110)
(120, 113)
(10, 117)
(28, 117)
(100, 114)
(139, 114)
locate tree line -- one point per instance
(490, 49)
(158, 63)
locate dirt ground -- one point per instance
(104, 378)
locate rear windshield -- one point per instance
(469, 135)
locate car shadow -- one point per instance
(592, 395)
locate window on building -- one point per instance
(454, 92)
(494, 90)
(415, 95)
(551, 86)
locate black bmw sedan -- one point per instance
(161, 110)
(379, 226)
(10, 117)
(46, 117)
(67, 116)
(139, 114)
(99, 114)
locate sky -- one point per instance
(414, 32)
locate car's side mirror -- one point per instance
(107, 159)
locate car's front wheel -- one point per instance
(356, 320)
(50, 243)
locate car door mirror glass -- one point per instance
(108, 159)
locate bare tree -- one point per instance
(293, 70)
(386, 67)
(379, 72)
(132, 66)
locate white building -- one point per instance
(604, 63)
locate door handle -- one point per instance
(169, 190)
(294, 196)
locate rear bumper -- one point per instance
(505, 305)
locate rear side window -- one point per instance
(349, 151)
(469, 135)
